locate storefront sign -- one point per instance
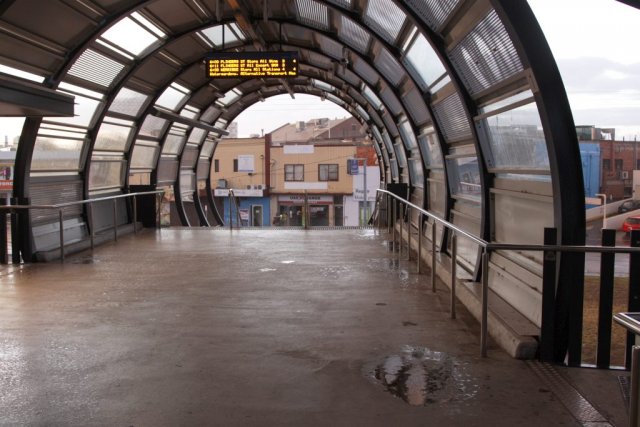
(219, 192)
(312, 199)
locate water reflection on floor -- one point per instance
(421, 376)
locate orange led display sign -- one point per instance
(252, 65)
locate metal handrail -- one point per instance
(90, 202)
(487, 247)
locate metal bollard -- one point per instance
(454, 256)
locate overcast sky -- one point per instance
(595, 43)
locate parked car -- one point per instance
(631, 223)
(629, 205)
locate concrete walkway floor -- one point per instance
(251, 328)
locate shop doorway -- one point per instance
(256, 215)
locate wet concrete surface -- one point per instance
(250, 328)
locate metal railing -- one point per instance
(402, 208)
(60, 207)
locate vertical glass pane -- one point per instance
(408, 137)
(130, 36)
(112, 137)
(144, 157)
(430, 150)
(516, 139)
(171, 98)
(416, 173)
(56, 154)
(106, 174)
(128, 102)
(84, 111)
(464, 177)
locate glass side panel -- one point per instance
(128, 102)
(106, 174)
(144, 156)
(171, 98)
(218, 33)
(153, 126)
(416, 173)
(130, 36)
(516, 139)
(113, 137)
(173, 144)
(406, 132)
(431, 150)
(207, 148)
(401, 157)
(19, 73)
(385, 17)
(56, 154)
(464, 177)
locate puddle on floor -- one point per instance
(421, 376)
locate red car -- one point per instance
(631, 223)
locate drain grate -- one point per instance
(578, 406)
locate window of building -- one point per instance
(216, 165)
(235, 165)
(618, 164)
(328, 172)
(294, 172)
(606, 164)
(638, 164)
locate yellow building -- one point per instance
(319, 171)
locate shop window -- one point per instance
(328, 172)
(294, 172)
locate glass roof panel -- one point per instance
(96, 68)
(19, 73)
(371, 97)
(389, 67)
(423, 62)
(172, 97)
(312, 13)
(353, 35)
(385, 18)
(130, 36)
(231, 35)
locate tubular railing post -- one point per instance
(388, 213)
(61, 221)
(408, 233)
(605, 306)
(419, 241)
(433, 256)
(548, 324)
(401, 227)
(393, 224)
(4, 250)
(454, 262)
(115, 220)
(92, 231)
(135, 215)
(635, 386)
(485, 303)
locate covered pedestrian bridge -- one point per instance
(462, 99)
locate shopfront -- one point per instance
(291, 210)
